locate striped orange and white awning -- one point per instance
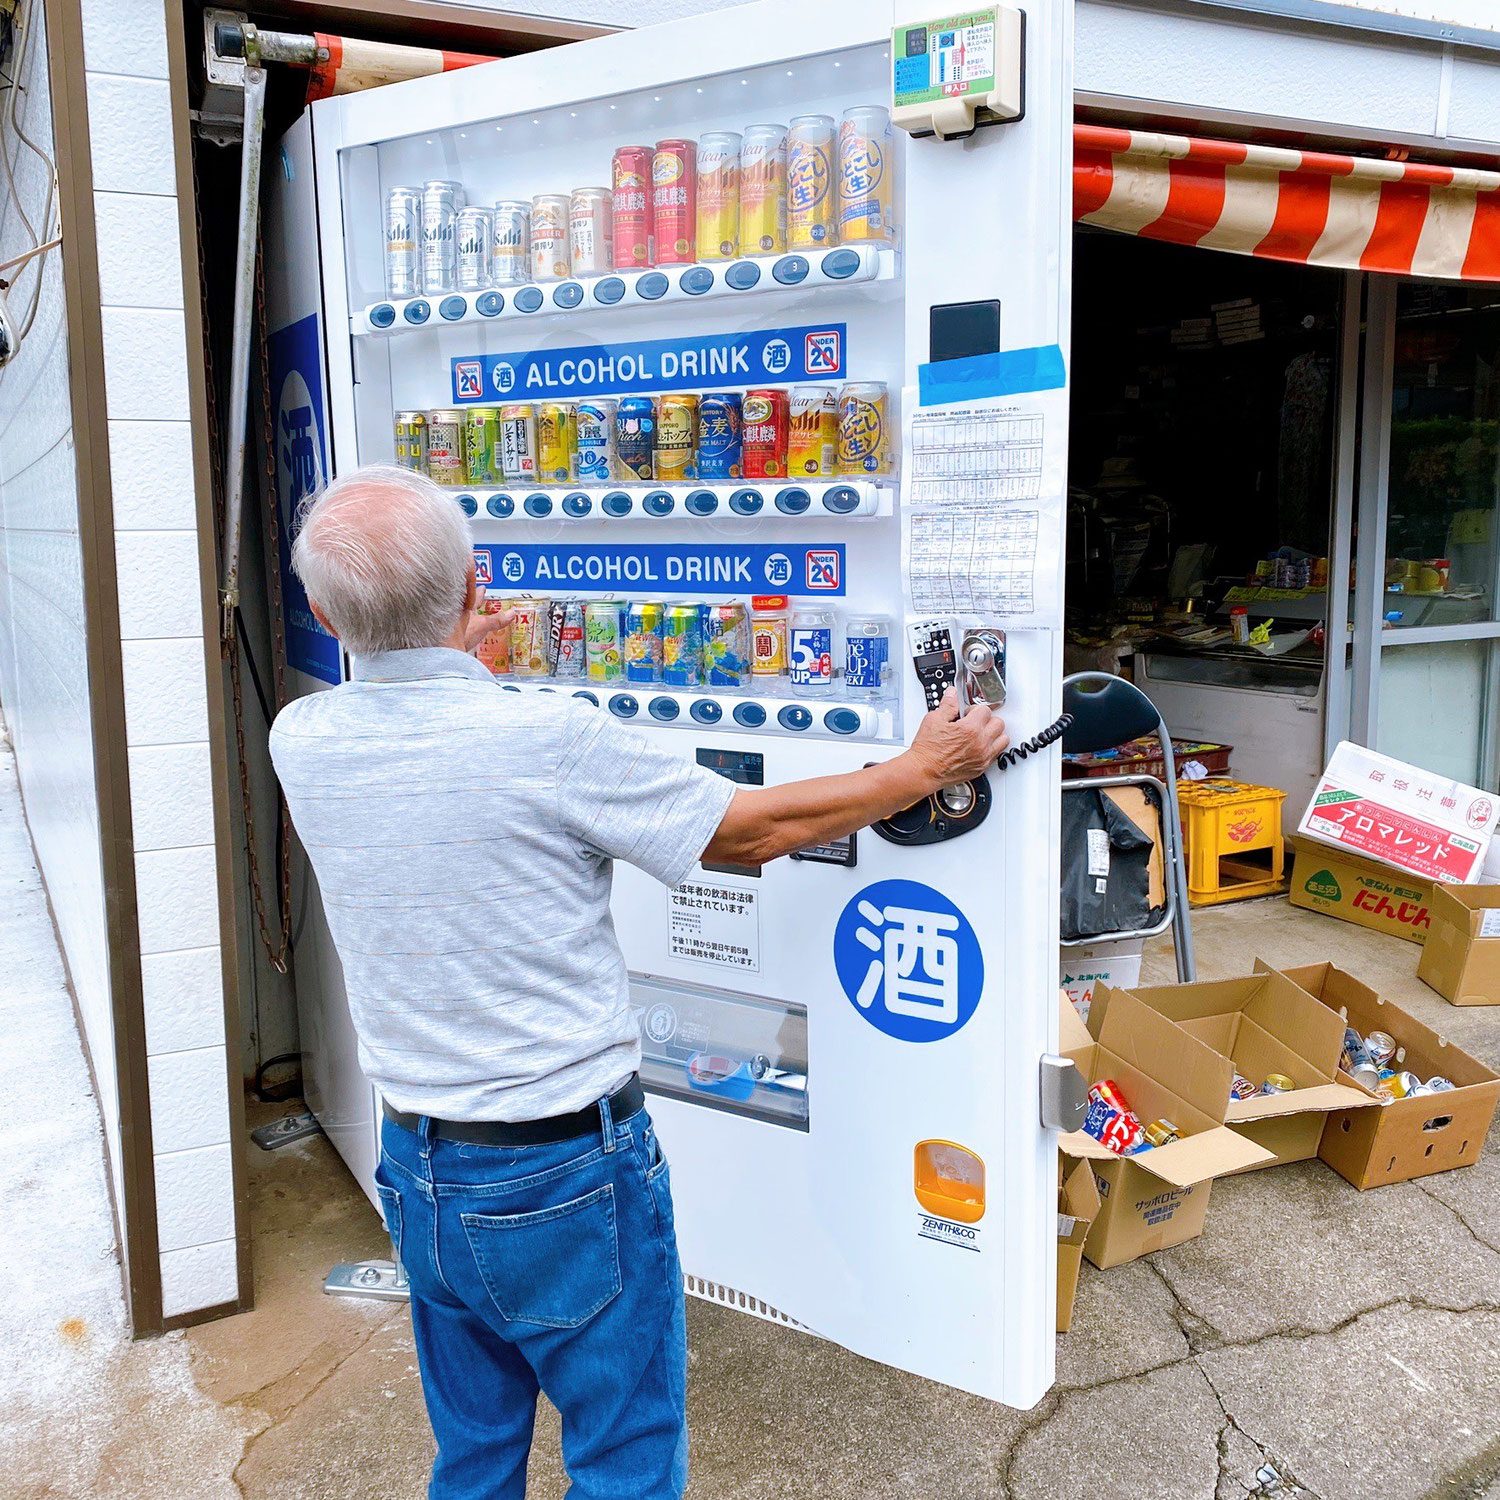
(1350, 212)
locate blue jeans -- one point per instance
(549, 1268)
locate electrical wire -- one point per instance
(1036, 744)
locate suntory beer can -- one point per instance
(674, 207)
(510, 258)
(763, 190)
(719, 195)
(719, 445)
(591, 234)
(631, 191)
(549, 237)
(810, 196)
(403, 240)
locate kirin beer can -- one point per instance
(403, 238)
(517, 441)
(606, 661)
(682, 646)
(549, 237)
(674, 206)
(635, 436)
(763, 190)
(591, 235)
(482, 444)
(813, 432)
(726, 645)
(864, 429)
(441, 201)
(475, 228)
(510, 251)
(554, 441)
(810, 197)
(643, 628)
(719, 195)
(411, 440)
(445, 447)
(594, 440)
(865, 177)
(719, 447)
(570, 653)
(631, 182)
(764, 434)
(676, 436)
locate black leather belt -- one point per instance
(627, 1100)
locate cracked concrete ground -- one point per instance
(1315, 1341)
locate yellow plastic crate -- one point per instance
(1232, 840)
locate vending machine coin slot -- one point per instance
(961, 330)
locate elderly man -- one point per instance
(463, 840)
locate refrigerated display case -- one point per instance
(827, 1036)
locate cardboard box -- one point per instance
(1372, 895)
(1404, 1138)
(1158, 1197)
(1400, 815)
(1461, 959)
(1264, 1024)
(1077, 1208)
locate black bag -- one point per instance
(1106, 866)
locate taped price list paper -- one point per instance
(713, 922)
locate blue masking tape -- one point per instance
(984, 376)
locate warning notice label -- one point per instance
(713, 922)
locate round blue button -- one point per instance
(696, 280)
(838, 264)
(742, 275)
(746, 502)
(665, 709)
(702, 502)
(793, 717)
(567, 294)
(382, 315)
(706, 711)
(576, 505)
(841, 499)
(500, 506)
(751, 715)
(793, 501)
(623, 706)
(453, 308)
(584, 693)
(469, 505)
(791, 269)
(609, 291)
(510, 687)
(842, 720)
(418, 311)
(489, 304)
(658, 503)
(547, 690)
(538, 505)
(528, 299)
(617, 503)
(651, 286)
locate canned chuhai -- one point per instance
(726, 645)
(643, 640)
(445, 447)
(528, 636)
(682, 646)
(517, 442)
(601, 623)
(411, 440)
(482, 445)
(554, 441)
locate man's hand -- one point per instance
(480, 626)
(949, 748)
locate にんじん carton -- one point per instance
(1361, 891)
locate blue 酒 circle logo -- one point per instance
(778, 568)
(504, 376)
(908, 960)
(512, 567)
(777, 356)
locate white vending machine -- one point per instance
(739, 339)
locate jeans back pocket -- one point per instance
(555, 1267)
(390, 1205)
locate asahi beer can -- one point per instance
(726, 645)
(813, 432)
(403, 240)
(482, 445)
(719, 195)
(594, 440)
(643, 635)
(411, 440)
(867, 654)
(674, 206)
(517, 441)
(606, 662)
(810, 665)
(591, 235)
(555, 612)
(635, 436)
(864, 429)
(719, 447)
(549, 237)
(630, 178)
(528, 636)
(554, 441)
(764, 434)
(475, 228)
(676, 436)
(866, 177)
(441, 201)
(682, 646)
(571, 652)
(510, 259)
(763, 190)
(768, 643)
(810, 198)
(445, 447)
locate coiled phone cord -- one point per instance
(1037, 743)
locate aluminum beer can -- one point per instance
(674, 201)
(411, 440)
(719, 447)
(494, 650)
(445, 447)
(570, 653)
(864, 429)
(764, 434)
(1381, 1047)
(813, 432)
(403, 239)
(768, 645)
(1162, 1132)
(441, 201)
(594, 440)
(676, 436)
(763, 190)
(591, 233)
(811, 213)
(867, 654)
(475, 228)
(726, 645)
(1436, 1085)
(517, 441)
(1277, 1083)
(482, 445)
(1400, 1085)
(865, 177)
(630, 177)
(635, 436)
(528, 636)
(682, 646)
(606, 661)
(1242, 1088)
(549, 237)
(556, 609)
(643, 635)
(510, 253)
(719, 195)
(810, 665)
(554, 441)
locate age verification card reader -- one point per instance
(955, 73)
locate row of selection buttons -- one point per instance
(577, 505)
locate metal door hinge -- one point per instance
(1064, 1096)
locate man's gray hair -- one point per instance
(385, 554)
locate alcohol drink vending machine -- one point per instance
(739, 341)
